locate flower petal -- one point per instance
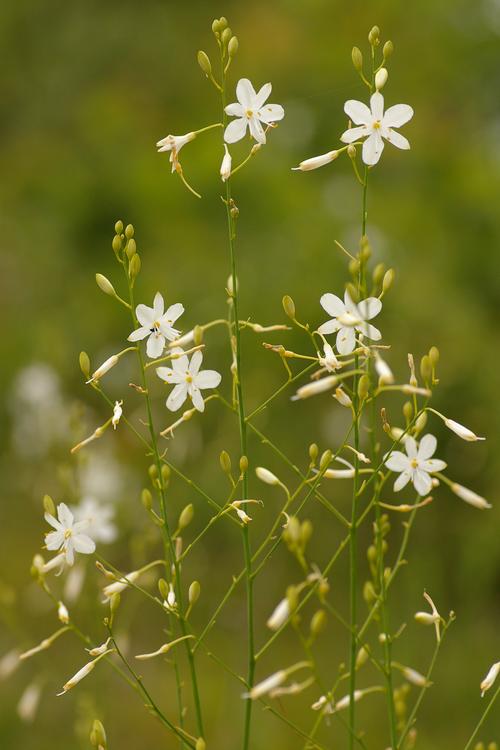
(397, 139)
(397, 461)
(411, 447)
(262, 96)
(256, 130)
(358, 112)
(369, 307)
(158, 306)
(331, 326)
(173, 313)
(369, 331)
(245, 93)
(271, 113)
(54, 540)
(155, 345)
(181, 364)
(402, 481)
(139, 334)
(427, 447)
(197, 398)
(195, 363)
(372, 149)
(432, 464)
(84, 544)
(353, 134)
(208, 379)
(169, 375)
(422, 482)
(177, 397)
(398, 115)
(346, 340)
(145, 315)
(236, 130)
(235, 110)
(53, 522)
(377, 105)
(64, 515)
(332, 304)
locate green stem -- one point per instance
(482, 719)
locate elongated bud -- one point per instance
(147, 499)
(117, 245)
(363, 386)
(357, 58)
(378, 273)
(362, 657)
(49, 505)
(280, 615)
(216, 27)
(194, 592)
(84, 362)
(421, 422)
(343, 398)
(232, 47)
(313, 452)
(266, 476)
(163, 588)
(408, 410)
(62, 613)
(114, 602)
(186, 516)
(387, 49)
(223, 22)
(381, 77)
(153, 472)
(374, 36)
(462, 431)
(317, 386)
(315, 162)
(226, 35)
(131, 248)
(470, 497)
(204, 62)
(289, 306)
(200, 744)
(388, 280)
(434, 355)
(134, 267)
(225, 462)
(129, 231)
(325, 460)
(318, 622)
(98, 736)
(243, 464)
(104, 368)
(426, 368)
(105, 285)
(490, 678)
(165, 474)
(119, 227)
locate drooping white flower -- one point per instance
(99, 518)
(251, 112)
(416, 465)
(329, 361)
(188, 380)
(490, 678)
(315, 162)
(83, 672)
(68, 535)
(157, 325)
(340, 473)
(117, 414)
(225, 167)
(348, 317)
(174, 143)
(376, 125)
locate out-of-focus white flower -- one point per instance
(348, 317)
(117, 413)
(68, 535)
(83, 672)
(123, 583)
(384, 372)
(174, 143)
(188, 380)
(9, 663)
(376, 125)
(264, 687)
(343, 398)
(29, 701)
(329, 360)
(163, 649)
(316, 161)
(316, 386)
(225, 167)
(415, 677)
(157, 325)
(99, 650)
(416, 465)
(340, 473)
(62, 613)
(490, 678)
(280, 615)
(469, 496)
(251, 112)
(99, 518)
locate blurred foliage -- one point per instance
(88, 87)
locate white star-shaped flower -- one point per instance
(156, 324)
(188, 380)
(174, 143)
(348, 317)
(251, 111)
(376, 125)
(68, 535)
(99, 518)
(416, 465)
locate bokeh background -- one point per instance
(87, 89)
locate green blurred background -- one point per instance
(88, 87)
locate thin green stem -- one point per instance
(482, 719)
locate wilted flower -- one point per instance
(188, 380)
(316, 161)
(375, 125)
(174, 143)
(157, 325)
(68, 535)
(251, 111)
(117, 413)
(490, 678)
(416, 465)
(348, 317)
(83, 672)
(225, 167)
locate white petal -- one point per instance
(158, 305)
(173, 312)
(256, 130)
(245, 93)
(262, 96)
(53, 522)
(354, 134)
(427, 447)
(177, 397)
(197, 398)
(235, 110)
(139, 334)
(271, 113)
(181, 364)
(432, 464)
(377, 105)
(84, 544)
(369, 307)
(346, 340)
(145, 315)
(54, 540)
(372, 149)
(397, 140)
(236, 130)
(65, 515)
(208, 379)
(422, 482)
(397, 115)
(397, 461)
(171, 334)
(155, 345)
(402, 481)
(370, 331)
(357, 112)
(331, 326)
(410, 446)
(169, 375)
(332, 304)
(195, 364)
(70, 553)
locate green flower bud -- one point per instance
(387, 49)
(226, 35)
(204, 62)
(318, 622)
(243, 464)
(186, 516)
(421, 422)
(114, 603)
(153, 472)
(48, 505)
(105, 285)
(131, 248)
(288, 306)
(134, 267)
(313, 452)
(408, 410)
(426, 368)
(119, 227)
(354, 267)
(374, 36)
(84, 364)
(129, 231)
(325, 460)
(378, 273)
(369, 594)
(306, 531)
(225, 462)
(363, 386)
(353, 291)
(116, 244)
(357, 59)
(197, 335)
(163, 588)
(434, 355)
(371, 553)
(147, 499)
(200, 744)
(351, 151)
(98, 735)
(194, 592)
(222, 22)
(388, 280)
(232, 47)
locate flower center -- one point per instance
(249, 113)
(189, 378)
(377, 125)
(414, 463)
(68, 533)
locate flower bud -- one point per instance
(165, 474)
(490, 678)
(357, 58)
(163, 588)
(317, 386)
(131, 248)
(204, 62)
(116, 244)
(374, 36)
(225, 462)
(318, 622)
(280, 615)
(289, 306)
(266, 476)
(119, 227)
(353, 291)
(186, 516)
(105, 285)
(200, 744)
(216, 27)
(315, 162)
(362, 657)
(129, 231)
(408, 410)
(325, 460)
(387, 49)
(98, 736)
(84, 362)
(62, 613)
(243, 464)
(343, 398)
(313, 452)
(134, 267)
(197, 335)
(114, 602)
(381, 77)
(434, 355)
(378, 273)
(469, 496)
(363, 386)
(194, 592)
(226, 35)
(426, 368)
(232, 47)
(388, 280)
(48, 505)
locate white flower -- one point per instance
(315, 387)
(280, 615)
(384, 372)
(156, 324)
(428, 618)
(68, 535)
(415, 677)
(316, 161)
(174, 143)
(120, 585)
(117, 414)
(490, 678)
(188, 380)
(348, 317)
(377, 125)
(99, 518)
(416, 464)
(251, 112)
(28, 702)
(83, 672)
(271, 682)
(469, 496)
(329, 361)
(225, 167)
